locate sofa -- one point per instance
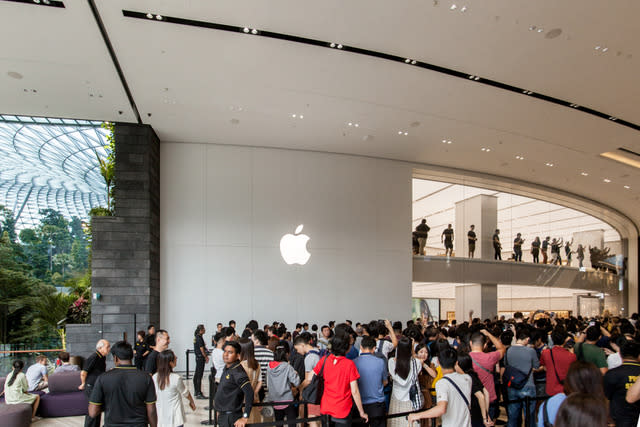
(64, 399)
(13, 415)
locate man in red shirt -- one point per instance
(340, 383)
(485, 364)
(558, 366)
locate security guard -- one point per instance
(202, 357)
(234, 383)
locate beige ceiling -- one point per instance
(191, 83)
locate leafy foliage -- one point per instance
(107, 166)
(44, 278)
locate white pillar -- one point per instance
(481, 298)
(481, 211)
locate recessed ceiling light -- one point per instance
(549, 164)
(399, 132)
(540, 30)
(519, 157)
(350, 124)
(254, 31)
(463, 9)
(159, 17)
(150, 15)
(294, 115)
(627, 187)
(407, 60)
(406, 133)
(332, 45)
(414, 62)
(301, 116)
(453, 7)
(246, 30)
(597, 47)
(532, 28)
(607, 180)
(584, 174)
(339, 46)
(356, 125)
(604, 49)
(486, 150)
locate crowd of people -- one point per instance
(551, 249)
(545, 371)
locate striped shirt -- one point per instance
(263, 357)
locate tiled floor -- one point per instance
(193, 418)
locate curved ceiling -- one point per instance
(208, 86)
(50, 163)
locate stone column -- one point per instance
(481, 211)
(126, 247)
(481, 298)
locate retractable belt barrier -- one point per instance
(325, 419)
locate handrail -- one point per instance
(32, 351)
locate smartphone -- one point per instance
(592, 323)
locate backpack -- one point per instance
(313, 392)
(514, 377)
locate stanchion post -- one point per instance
(211, 421)
(527, 412)
(187, 358)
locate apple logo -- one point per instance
(293, 248)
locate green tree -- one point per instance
(16, 285)
(8, 223)
(80, 255)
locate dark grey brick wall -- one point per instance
(126, 247)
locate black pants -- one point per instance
(197, 376)
(291, 413)
(88, 421)
(518, 251)
(536, 255)
(375, 412)
(498, 252)
(227, 419)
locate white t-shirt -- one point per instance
(457, 414)
(218, 362)
(385, 348)
(401, 386)
(614, 360)
(169, 401)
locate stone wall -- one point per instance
(126, 247)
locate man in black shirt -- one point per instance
(545, 247)
(151, 336)
(471, 236)
(202, 357)
(422, 232)
(162, 343)
(517, 247)
(616, 383)
(447, 237)
(94, 366)
(234, 387)
(127, 396)
(497, 247)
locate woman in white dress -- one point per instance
(170, 389)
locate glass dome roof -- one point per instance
(50, 163)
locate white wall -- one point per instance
(224, 210)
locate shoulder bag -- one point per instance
(417, 399)
(514, 377)
(313, 392)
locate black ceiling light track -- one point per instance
(48, 3)
(389, 57)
